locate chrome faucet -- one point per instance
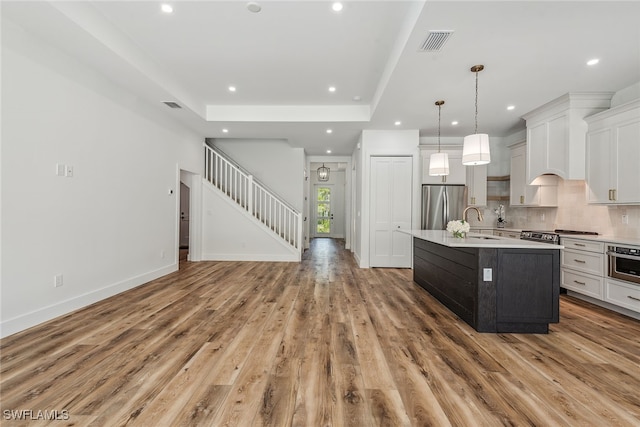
(464, 214)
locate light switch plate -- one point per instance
(487, 274)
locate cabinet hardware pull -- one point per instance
(637, 299)
(581, 261)
(610, 195)
(580, 244)
(580, 283)
(614, 195)
(521, 200)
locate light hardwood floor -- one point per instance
(319, 343)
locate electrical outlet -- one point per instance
(68, 171)
(625, 219)
(487, 274)
(57, 280)
(541, 217)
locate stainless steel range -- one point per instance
(552, 237)
(541, 236)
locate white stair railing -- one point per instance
(254, 197)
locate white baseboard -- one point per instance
(33, 318)
(251, 257)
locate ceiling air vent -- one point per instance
(435, 40)
(172, 104)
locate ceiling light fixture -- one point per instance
(337, 6)
(323, 173)
(254, 7)
(232, 88)
(329, 131)
(454, 123)
(166, 8)
(328, 151)
(475, 150)
(332, 88)
(225, 130)
(511, 107)
(397, 123)
(593, 61)
(439, 162)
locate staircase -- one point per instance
(255, 198)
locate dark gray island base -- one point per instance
(521, 297)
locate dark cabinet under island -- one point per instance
(495, 285)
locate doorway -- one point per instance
(328, 211)
(185, 200)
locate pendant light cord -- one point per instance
(476, 131)
(439, 110)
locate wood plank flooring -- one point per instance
(319, 343)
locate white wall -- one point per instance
(274, 162)
(382, 143)
(229, 234)
(110, 227)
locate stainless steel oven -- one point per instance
(624, 263)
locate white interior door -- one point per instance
(390, 211)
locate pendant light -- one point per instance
(323, 173)
(439, 162)
(475, 150)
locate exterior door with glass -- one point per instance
(323, 222)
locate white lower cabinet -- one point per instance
(505, 233)
(587, 284)
(584, 271)
(583, 266)
(622, 294)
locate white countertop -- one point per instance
(477, 240)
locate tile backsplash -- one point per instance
(572, 213)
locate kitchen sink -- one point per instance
(482, 237)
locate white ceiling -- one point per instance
(283, 59)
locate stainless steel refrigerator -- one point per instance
(441, 204)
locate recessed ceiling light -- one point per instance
(455, 122)
(332, 88)
(232, 88)
(511, 107)
(328, 151)
(593, 61)
(336, 6)
(254, 7)
(166, 8)
(225, 130)
(357, 98)
(329, 131)
(397, 123)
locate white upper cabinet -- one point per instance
(556, 134)
(477, 185)
(613, 155)
(523, 194)
(457, 171)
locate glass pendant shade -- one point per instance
(323, 173)
(475, 150)
(439, 164)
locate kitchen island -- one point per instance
(494, 284)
